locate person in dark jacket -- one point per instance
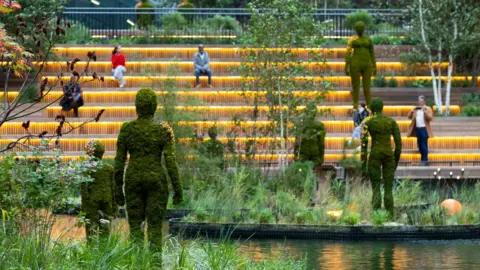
(360, 114)
(72, 96)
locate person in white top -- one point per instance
(420, 127)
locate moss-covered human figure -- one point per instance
(97, 196)
(382, 160)
(146, 185)
(213, 148)
(310, 139)
(144, 18)
(361, 64)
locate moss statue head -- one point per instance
(212, 132)
(376, 105)
(146, 103)
(359, 28)
(95, 148)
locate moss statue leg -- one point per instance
(156, 208)
(91, 213)
(374, 172)
(366, 79)
(355, 76)
(136, 212)
(388, 175)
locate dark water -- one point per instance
(372, 255)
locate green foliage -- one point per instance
(358, 16)
(223, 23)
(471, 98)
(392, 83)
(304, 216)
(379, 217)
(380, 81)
(471, 110)
(30, 93)
(435, 215)
(78, 34)
(265, 216)
(173, 21)
(350, 218)
(299, 178)
(413, 61)
(287, 205)
(408, 192)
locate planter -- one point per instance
(327, 232)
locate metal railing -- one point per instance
(124, 22)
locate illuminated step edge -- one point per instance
(245, 127)
(329, 158)
(331, 143)
(230, 81)
(227, 67)
(225, 111)
(183, 96)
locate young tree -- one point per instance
(441, 26)
(272, 67)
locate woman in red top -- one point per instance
(118, 65)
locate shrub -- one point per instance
(380, 81)
(381, 40)
(350, 218)
(223, 23)
(287, 204)
(299, 178)
(471, 98)
(173, 21)
(266, 216)
(304, 216)
(392, 82)
(463, 83)
(379, 217)
(356, 16)
(471, 110)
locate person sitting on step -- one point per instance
(201, 63)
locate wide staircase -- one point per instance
(456, 143)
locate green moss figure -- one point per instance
(146, 184)
(144, 20)
(97, 196)
(213, 148)
(310, 141)
(382, 160)
(361, 64)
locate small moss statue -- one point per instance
(146, 184)
(310, 141)
(144, 16)
(213, 148)
(361, 64)
(383, 161)
(97, 196)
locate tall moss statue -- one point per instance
(97, 196)
(361, 64)
(213, 148)
(310, 139)
(383, 161)
(146, 185)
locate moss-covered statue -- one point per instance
(144, 17)
(146, 185)
(213, 148)
(97, 196)
(310, 138)
(361, 63)
(383, 161)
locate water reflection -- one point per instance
(372, 255)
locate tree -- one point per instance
(272, 68)
(441, 26)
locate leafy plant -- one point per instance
(173, 21)
(471, 110)
(304, 216)
(350, 218)
(392, 83)
(379, 217)
(265, 216)
(380, 81)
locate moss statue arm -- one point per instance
(348, 56)
(398, 143)
(172, 166)
(372, 56)
(364, 147)
(120, 159)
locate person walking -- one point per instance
(421, 117)
(360, 114)
(118, 65)
(201, 63)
